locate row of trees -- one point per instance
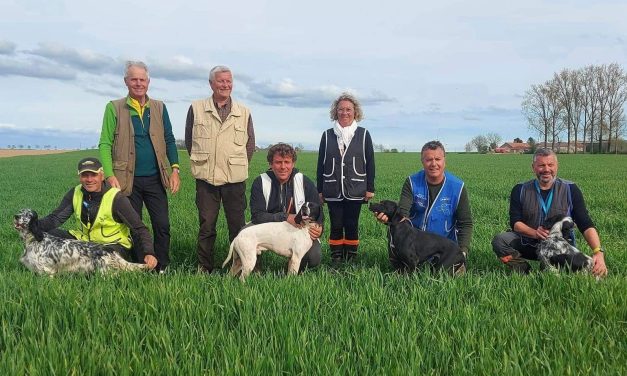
(484, 143)
(580, 106)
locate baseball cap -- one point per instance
(89, 164)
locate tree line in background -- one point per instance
(580, 106)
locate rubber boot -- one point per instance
(350, 252)
(337, 254)
(516, 263)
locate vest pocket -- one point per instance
(198, 164)
(120, 170)
(332, 169)
(355, 169)
(240, 135)
(238, 169)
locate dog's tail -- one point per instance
(230, 255)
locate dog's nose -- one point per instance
(16, 217)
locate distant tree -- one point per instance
(468, 147)
(532, 145)
(480, 143)
(180, 144)
(394, 150)
(518, 140)
(493, 139)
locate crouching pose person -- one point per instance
(534, 201)
(278, 194)
(104, 215)
(436, 201)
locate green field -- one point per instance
(361, 319)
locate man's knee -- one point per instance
(313, 257)
(501, 244)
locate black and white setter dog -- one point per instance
(555, 251)
(411, 248)
(48, 254)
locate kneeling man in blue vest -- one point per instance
(103, 216)
(279, 193)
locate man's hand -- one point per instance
(113, 181)
(315, 231)
(175, 181)
(542, 233)
(369, 196)
(381, 217)
(151, 261)
(599, 269)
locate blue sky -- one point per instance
(446, 70)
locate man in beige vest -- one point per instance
(137, 150)
(220, 140)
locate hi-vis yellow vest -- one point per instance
(105, 229)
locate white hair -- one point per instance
(218, 69)
(138, 64)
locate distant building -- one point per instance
(562, 147)
(513, 147)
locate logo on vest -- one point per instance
(420, 200)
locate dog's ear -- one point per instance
(315, 212)
(299, 216)
(34, 228)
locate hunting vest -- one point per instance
(218, 155)
(440, 217)
(344, 176)
(558, 202)
(123, 149)
(105, 230)
(299, 190)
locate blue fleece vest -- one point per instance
(440, 218)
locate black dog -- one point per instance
(411, 248)
(557, 251)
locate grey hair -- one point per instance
(218, 69)
(359, 114)
(138, 64)
(432, 145)
(543, 152)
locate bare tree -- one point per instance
(567, 84)
(480, 143)
(494, 139)
(589, 101)
(616, 92)
(542, 109)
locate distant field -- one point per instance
(361, 319)
(17, 152)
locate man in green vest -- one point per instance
(138, 149)
(220, 140)
(103, 215)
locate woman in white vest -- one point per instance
(345, 175)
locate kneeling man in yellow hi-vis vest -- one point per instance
(104, 216)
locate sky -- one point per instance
(422, 70)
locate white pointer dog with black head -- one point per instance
(556, 250)
(281, 237)
(48, 254)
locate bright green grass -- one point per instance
(358, 320)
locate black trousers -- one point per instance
(344, 217)
(150, 191)
(208, 198)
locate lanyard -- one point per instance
(546, 205)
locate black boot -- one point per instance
(517, 263)
(337, 254)
(350, 252)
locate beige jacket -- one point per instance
(218, 154)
